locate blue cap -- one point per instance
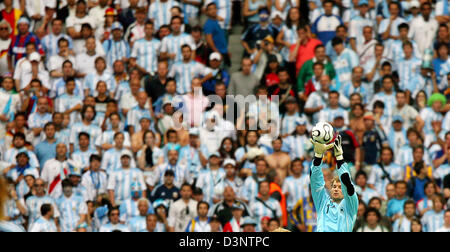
(171, 147)
(300, 121)
(363, 2)
(145, 116)
(397, 118)
(116, 26)
(248, 221)
(160, 202)
(263, 15)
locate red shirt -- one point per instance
(305, 52)
(12, 18)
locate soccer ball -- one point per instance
(323, 133)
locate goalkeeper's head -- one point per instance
(336, 190)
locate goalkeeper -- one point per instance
(336, 210)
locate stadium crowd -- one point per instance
(92, 92)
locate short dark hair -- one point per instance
(378, 104)
(409, 202)
(45, 208)
(19, 135)
(81, 134)
(95, 157)
(403, 26)
(186, 185)
(48, 125)
(361, 173)
(372, 210)
(336, 41)
(202, 203)
(113, 209)
(66, 183)
(61, 40)
(176, 17)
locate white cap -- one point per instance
(126, 153)
(254, 152)
(194, 132)
(414, 3)
(277, 13)
(215, 56)
(35, 57)
(229, 161)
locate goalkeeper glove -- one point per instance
(320, 149)
(338, 152)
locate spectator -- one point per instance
(244, 76)
(215, 35)
(114, 225)
(403, 223)
(45, 222)
(328, 20)
(303, 49)
(260, 29)
(434, 219)
(446, 226)
(372, 219)
(202, 222)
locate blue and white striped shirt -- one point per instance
(138, 224)
(298, 146)
(296, 188)
(93, 131)
(432, 221)
(146, 53)
(290, 35)
(59, 88)
(185, 72)
(259, 210)
(71, 210)
(328, 114)
(408, 71)
(33, 205)
(43, 226)
(92, 79)
(36, 120)
(182, 174)
(82, 157)
(50, 44)
(135, 115)
(160, 12)
(116, 50)
(207, 180)
(172, 45)
(66, 102)
(121, 183)
(190, 11)
(111, 161)
(429, 115)
(344, 65)
(389, 102)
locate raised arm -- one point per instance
(318, 190)
(348, 189)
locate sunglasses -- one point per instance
(39, 185)
(3, 28)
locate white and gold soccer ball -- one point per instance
(323, 133)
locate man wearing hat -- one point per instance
(433, 112)
(234, 225)
(219, 74)
(249, 225)
(116, 48)
(167, 191)
(19, 42)
(358, 23)
(210, 177)
(120, 182)
(231, 179)
(397, 134)
(258, 32)
(195, 155)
